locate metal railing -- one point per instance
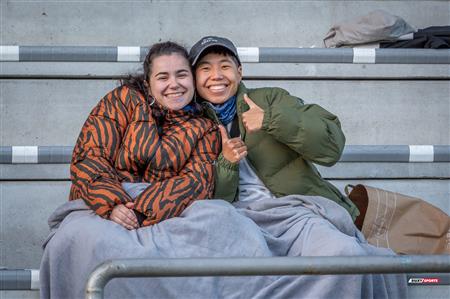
(188, 267)
(352, 153)
(247, 54)
(19, 279)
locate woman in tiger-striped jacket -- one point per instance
(146, 131)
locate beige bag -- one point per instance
(405, 224)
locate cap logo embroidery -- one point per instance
(209, 40)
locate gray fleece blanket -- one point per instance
(288, 226)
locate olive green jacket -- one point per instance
(293, 137)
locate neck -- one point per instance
(225, 111)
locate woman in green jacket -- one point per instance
(283, 136)
(270, 143)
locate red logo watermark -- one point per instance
(423, 280)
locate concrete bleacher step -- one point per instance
(374, 113)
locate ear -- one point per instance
(239, 69)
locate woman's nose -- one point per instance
(173, 83)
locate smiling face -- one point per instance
(218, 77)
(171, 81)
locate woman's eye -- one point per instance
(161, 78)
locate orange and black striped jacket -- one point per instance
(119, 142)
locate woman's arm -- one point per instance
(168, 198)
(310, 130)
(226, 179)
(92, 170)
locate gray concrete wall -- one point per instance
(248, 23)
(51, 112)
(46, 103)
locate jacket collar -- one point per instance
(241, 104)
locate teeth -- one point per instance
(178, 94)
(217, 87)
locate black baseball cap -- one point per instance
(211, 41)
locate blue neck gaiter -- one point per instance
(190, 108)
(226, 111)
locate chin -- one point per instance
(176, 107)
(218, 101)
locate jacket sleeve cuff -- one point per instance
(222, 162)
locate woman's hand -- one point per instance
(233, 149)
(124, 215)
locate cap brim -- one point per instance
(212, 45)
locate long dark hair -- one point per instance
(136, 81)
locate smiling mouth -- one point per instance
(175, 96)
(218, 88)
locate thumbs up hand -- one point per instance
(253, 118)
(233, 149)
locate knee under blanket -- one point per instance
(288, 226)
